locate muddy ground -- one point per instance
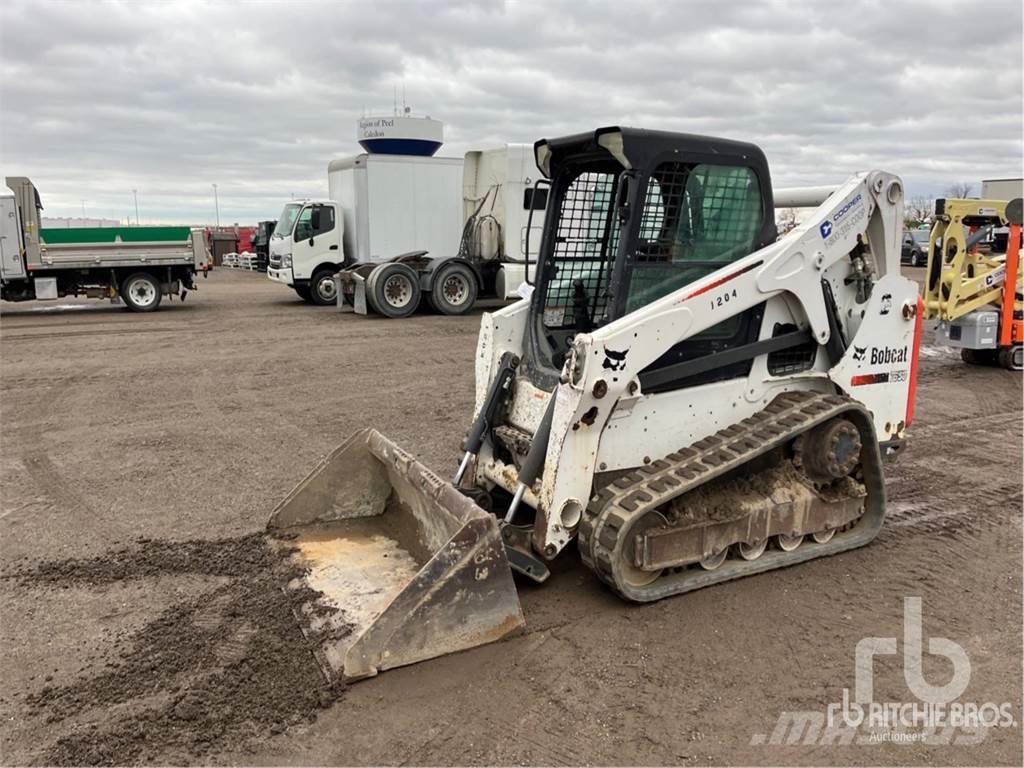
(140, 623)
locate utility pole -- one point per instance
(216, 204)
(135, 193)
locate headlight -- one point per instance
(286, 261)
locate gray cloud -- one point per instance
(170, 97)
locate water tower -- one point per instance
(400, 135)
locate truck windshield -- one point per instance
(286, 220)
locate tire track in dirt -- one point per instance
(215, 408)
(978, 422)
(8, 336)
(47, 477)
(50, 480)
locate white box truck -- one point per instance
(139, 265)
(399, 229)
(1001, 189)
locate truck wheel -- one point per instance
(393, 290)
(455, 290)
(303, 292)
(322, 288)
(141, 292)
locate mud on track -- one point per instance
(187, 427)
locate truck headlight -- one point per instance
(286, 261)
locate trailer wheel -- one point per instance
(393, 290)
(455, 290)
(141, 292)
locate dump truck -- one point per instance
(137, 265)
(684, 397)
(977, 298)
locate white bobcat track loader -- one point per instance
(689, 398)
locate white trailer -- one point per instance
(139, 265)
(396, 203)
(499, 204)
(401, 228)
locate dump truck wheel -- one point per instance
(455, 290)
(323, 291)
(393, 290)
(141, 292)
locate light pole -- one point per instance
(135, 193)
(216, 204)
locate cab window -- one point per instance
(326, 223)
(695, 219)
(314, 220)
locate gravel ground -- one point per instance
(140, 456)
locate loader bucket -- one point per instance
(402, 566)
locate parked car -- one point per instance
(915, 247)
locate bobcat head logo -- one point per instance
(859, 352)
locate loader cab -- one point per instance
(632, 216)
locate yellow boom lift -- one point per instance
(977, 298)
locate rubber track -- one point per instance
(604, 531)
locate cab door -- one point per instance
(12, 265)
(314, 240)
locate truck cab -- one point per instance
(306, 249)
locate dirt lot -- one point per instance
(141, 456)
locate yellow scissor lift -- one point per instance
(977, 298)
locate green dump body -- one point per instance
(113, 235)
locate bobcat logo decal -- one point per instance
(614, 361)
(859, 352)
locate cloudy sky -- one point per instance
(171, 97)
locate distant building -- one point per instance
(1002, 189)
(65, 222)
